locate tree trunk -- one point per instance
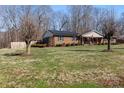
(28, 52)
(109, 48)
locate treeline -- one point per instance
(27, 23)
(14, 18)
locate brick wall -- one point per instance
(66, 40)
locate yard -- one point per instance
(79, 66)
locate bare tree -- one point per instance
(10, 18)
(27, 26)
(64, 20)
(60, 21)
(42, 19)
(121, 25)
(81, 19)
(98, 17)
(75, 17)
(109, 26)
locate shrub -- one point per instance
(38, 45)
(57, 45)
(68, 44)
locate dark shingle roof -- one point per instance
(63, 33)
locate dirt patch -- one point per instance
(23, 54)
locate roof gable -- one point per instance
(92, 34)
(47, 34)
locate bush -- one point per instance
(68, 44)
(58, 45)
(38, 45)
(74, 44)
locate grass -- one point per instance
(79, 66)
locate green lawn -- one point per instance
(79, 66)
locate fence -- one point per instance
(19, 45)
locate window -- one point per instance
(60, 38)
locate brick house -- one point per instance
(55, 37)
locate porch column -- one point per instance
(97, 41)
(82, 41)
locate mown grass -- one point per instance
(75, 66)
